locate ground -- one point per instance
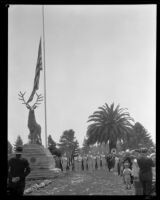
(86, 183)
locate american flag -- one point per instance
(37, 73)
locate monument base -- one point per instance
(41, 162)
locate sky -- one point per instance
(94, 54)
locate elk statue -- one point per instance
(34, 128)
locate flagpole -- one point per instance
(45, 107)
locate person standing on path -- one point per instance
(84, 157)
(145, 164)
(127, 175)
(119, 165)
(90, 165)
(136, 182)
(70, 163)
(94, 162)
(103, 161)
(64, 161)
(76, 163)
(98, 161)
(110, 162)
(57, 162)
(18, 169)
(153, 157)
(116, 164)
(79, 163)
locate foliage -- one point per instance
(109, 124)
(76, 149)
(10, 148)
(52, 147)
(68, 143)
(85, 147)
(18, 142)
(51, 144)
(139, 137)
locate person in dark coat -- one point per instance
(145, 174)
(18, 169)
(110, 161)
(58, 162)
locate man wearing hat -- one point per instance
(18, 169)
(145, 174)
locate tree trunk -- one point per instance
(112, 144)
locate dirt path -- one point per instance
(86, 183)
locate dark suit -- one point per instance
(17, 167)
(145, 173)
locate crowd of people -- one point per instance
(136, 167)
(85, 162)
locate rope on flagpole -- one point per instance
(44, 66)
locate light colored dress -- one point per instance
(75, 164)
(103, 161)
(94, 162)
(79, 163)
(127, 177)
(64, 163)
(116, 164)
(90, 165)
(136, 182)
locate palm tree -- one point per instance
(109, 124)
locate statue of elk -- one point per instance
(34, 128)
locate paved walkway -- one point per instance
(86, 183)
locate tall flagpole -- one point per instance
(44, 66)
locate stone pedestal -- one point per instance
(41, 161)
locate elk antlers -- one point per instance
(38, 100)
(21, 95)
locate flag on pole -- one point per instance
(37, 73)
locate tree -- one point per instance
(52, 147)
(18, 142)
(85, 147)
(10, 148)
(66, 142)
(109, 124)
(69, 144)
(139, 137)
(76, 149)
(51, 144)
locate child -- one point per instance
(127, 175)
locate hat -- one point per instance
(19, 150)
